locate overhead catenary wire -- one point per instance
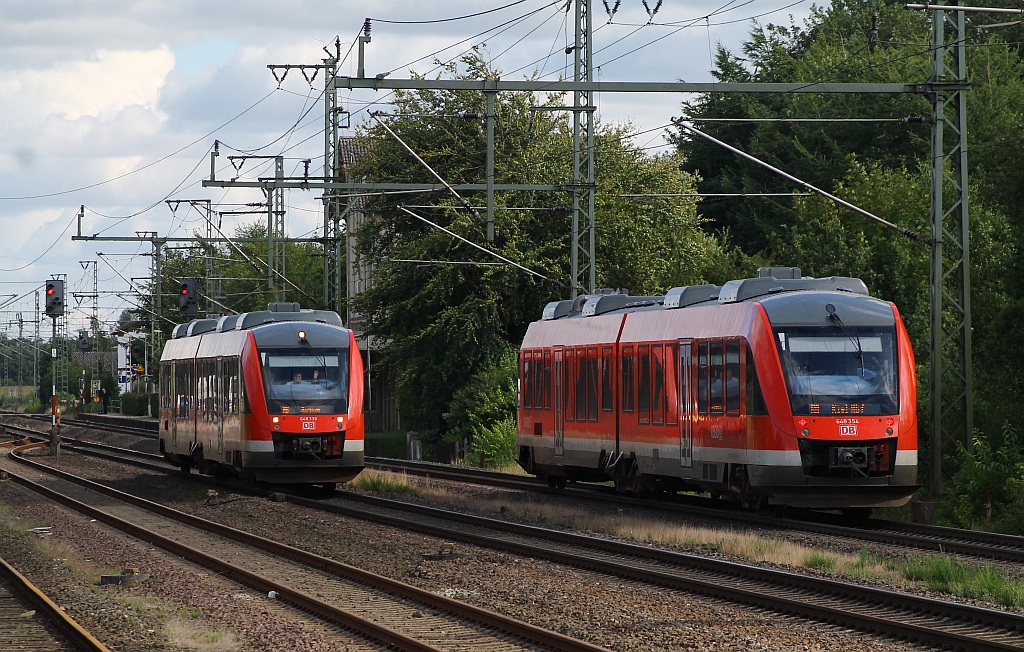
(465, 204)
(681, 122)
(485, 249)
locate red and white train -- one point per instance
(269, 396)
(776, 390)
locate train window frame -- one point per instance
(546, 380)
(643, 384)
(716, 378)
(756, 406)
(658, 385)
(607, 402)
(733, 386)
(592, 362)
(671, 384)
(702, 378)
(568, 384)
(525, 393)
(581, 384)
(628, 396)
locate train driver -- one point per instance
(296, 379)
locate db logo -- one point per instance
(311, 425)
(847, 431)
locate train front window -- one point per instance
(851, 371)
(310, 381)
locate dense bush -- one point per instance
(496, 443)
(986, 492)
(134, 404)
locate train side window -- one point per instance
(535, 379)
(716, 377)
(525, 380)
(671, 384)
(702, 378)
(546, 389)
(732, 377)
(606, 379)
(658, 384)
(643, 383)
(569, 384)
(592, 361)
(627, 379)
(581, 384)
(755, 398)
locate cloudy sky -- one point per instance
(115, 106)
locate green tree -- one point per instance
(441, 322)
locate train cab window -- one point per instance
(606, 379)
(628, 382)
(306, 381)
(732, 377)
(643, 383)
(840, 370)
(755, 399)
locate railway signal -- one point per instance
(188, 301)
(54, 298)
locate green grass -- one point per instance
(820, 561)
(383, 483)
(954, 576)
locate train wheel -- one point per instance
(186, 465)
(329, 486)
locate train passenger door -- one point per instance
(685, 406)
(558, 402)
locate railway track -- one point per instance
(905, 617)
(379, 611)
(971, 543)
(984, 545)
(31, 622)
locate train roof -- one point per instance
(275, 313)
(770, 281)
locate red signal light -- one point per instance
(50, 290)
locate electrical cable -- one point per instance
(446, 20)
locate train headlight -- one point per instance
(276, 420)
(805, 432)
(888, 431)
(302, 336)
(341, 422)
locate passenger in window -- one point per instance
(732, 383)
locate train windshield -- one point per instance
(848, 371)
(307, 381)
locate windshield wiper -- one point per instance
(854, 338)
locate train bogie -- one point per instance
(274, 396)
(789, 391)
